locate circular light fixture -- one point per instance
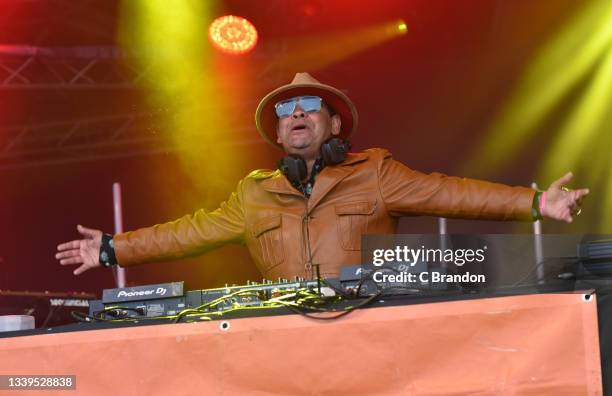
(232, 34)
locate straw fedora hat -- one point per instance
(304, 84)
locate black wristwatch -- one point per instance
(107, 251)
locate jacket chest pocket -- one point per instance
(268, 233)
(353, 219)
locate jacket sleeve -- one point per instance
(188, 236)
(409, 192)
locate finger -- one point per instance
(69, 245)
(562, 180)
(90, 232)
(583, 192)
(80, 270)
(568, 216)
(68, 254)
(575, 199)
(563, 214)
(72, 260)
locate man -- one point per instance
(317, 208)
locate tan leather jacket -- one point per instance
(366, 194)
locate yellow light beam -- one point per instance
(583, 126)
(316, 52)
(170, 40)
(561, 64)
(605, 219)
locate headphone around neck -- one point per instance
(333, 152)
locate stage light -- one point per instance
(402, 27)
(232, 35)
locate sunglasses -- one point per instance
(310, 104)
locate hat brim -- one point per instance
(266, 119)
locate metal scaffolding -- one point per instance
(56, 72)
(27, 67)
(70, 82)
(88, 139)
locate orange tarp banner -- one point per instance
(545, 344)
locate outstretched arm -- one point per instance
(187, 236)
(408, 192)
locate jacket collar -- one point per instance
(329, 177)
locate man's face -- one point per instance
(303, 133)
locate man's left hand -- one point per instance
(562, 203)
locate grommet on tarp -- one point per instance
(224, 325)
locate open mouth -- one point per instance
(298, 127)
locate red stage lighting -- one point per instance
(232, 34)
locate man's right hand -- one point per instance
(82, 251)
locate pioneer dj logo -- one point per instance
(160, 291)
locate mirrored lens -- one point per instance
(285, 108)
(308, 103)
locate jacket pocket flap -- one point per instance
(356, 208)
(267, 224)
